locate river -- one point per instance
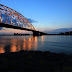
(52, 43)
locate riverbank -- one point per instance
(35, 61)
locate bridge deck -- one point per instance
(16, 27)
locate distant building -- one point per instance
(20, 34)
(70, 32)
(14, 33)
(67, 33)
(61, 33)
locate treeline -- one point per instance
(20, 34)
(66, 33)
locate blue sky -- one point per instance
(49, 14)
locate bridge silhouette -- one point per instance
(10, 18)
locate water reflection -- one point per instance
(13, 45)
(42, 43)
(35, 38)
(17, 44)
(42, 38)
(2, 48)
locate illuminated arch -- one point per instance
(10, 16)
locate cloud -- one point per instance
(1, 28)
(59, 30)
(32, 21)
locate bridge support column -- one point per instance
(36, 33)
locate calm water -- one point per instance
(57, 44)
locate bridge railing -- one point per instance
(12, 17)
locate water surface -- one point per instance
(57, 44)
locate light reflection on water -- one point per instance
(15, 44)
(41, 43)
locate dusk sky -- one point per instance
(47, 14)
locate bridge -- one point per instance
(10, 18)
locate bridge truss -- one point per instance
(12, 17)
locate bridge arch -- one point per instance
(12, 17)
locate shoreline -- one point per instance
(39, 35)
(35, 61)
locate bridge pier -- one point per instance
(36, 33)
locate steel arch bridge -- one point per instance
(12, 17)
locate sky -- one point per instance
(47, 14)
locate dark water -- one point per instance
(57, 44)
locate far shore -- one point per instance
(35, 61)
(39, 35)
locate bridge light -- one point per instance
(1, 20)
